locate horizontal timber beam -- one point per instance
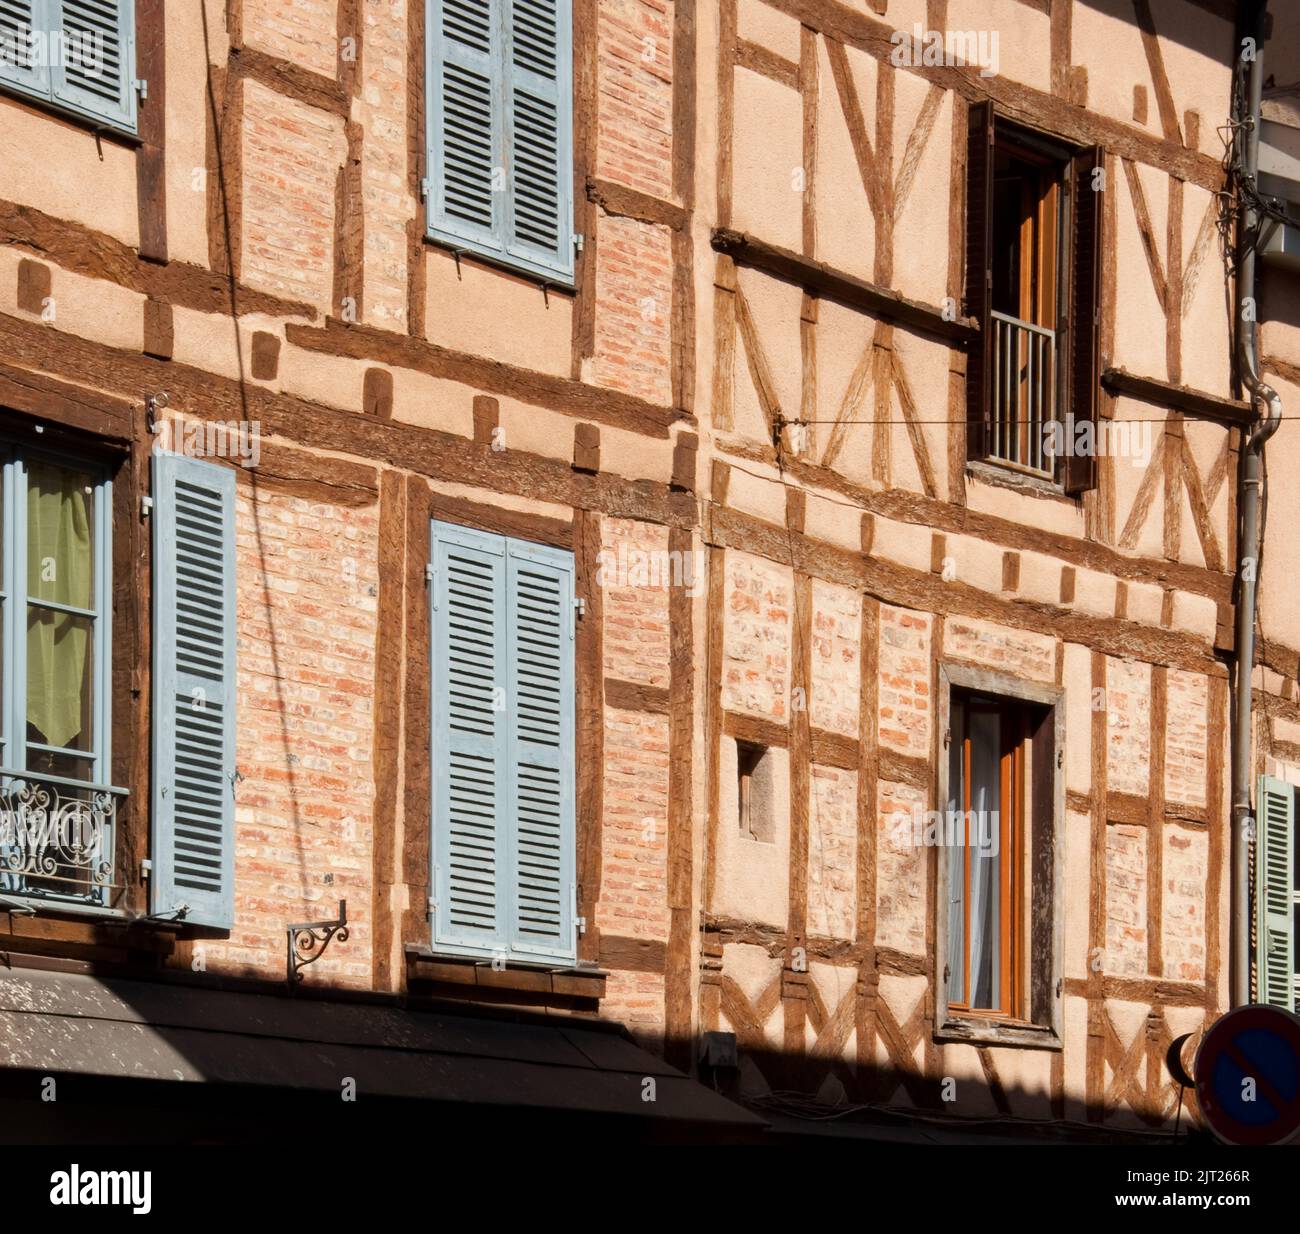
(82, 250)
(847, 289)
(434, 453)
(910, 588)
(1230, 412)
(357, 342)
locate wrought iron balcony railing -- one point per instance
(1024, 394)
(57, 837)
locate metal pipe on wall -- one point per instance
(1250, 490)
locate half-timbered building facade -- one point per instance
(719, 518)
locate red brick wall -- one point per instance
(306, 597)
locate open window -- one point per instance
(1033, 283)
(998, 856)
(57, 810)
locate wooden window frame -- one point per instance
(1039, 918)
(14, 608)
(1078, 290)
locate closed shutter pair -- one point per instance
(498, 111)
(502, 625)
(75, 54)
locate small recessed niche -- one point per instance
(756, 792)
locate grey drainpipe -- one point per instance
(1250, 485)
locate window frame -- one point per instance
(1076, 349)
(1039, 1023)
(494, 251)
(46, 100)
(14, 754)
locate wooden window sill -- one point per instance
(1008, 477)
(567, 982)
(981, 1030)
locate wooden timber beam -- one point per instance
(820, 279)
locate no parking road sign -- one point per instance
(1248, 1076)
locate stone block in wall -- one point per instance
(1186, 856)
(1018, 653)
(833, 853)
(1128, 726)
(906, 704)
(636, 573)
(1126, 901)
(1187, 737)
(758, 599)
(900, 869)
(836, 658)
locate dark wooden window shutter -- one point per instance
(1079, 471)
(979, 275)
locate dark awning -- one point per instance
(72, 1023)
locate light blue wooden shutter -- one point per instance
(470, 754)
(21, 63)
(540, 713)
(539, 123)
(1274, 922)
(194, 688)
(96, 66)
(464, 122)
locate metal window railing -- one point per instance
(1024, 394)
(57, 838)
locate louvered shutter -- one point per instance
(193, 691)
(1274, 921)
(979, 276)
(471, 738)
(1084, 373)
(96, 65)
(539, 95)
(465, 130)
(23, 37)
(540, 714)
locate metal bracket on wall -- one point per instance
(307, 942)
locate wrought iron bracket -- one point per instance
(307, 942)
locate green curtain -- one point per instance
(60, 567)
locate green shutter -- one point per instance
(95, 74)
(540, 714)
(1274, 922)
(194, 688)
(539, 100)
(468, 661)
(23, 62)
(500, 131)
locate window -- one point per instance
(502, 664)
(57, 812)
(76, 55)
(755, 792)
(499, 117)
(1033, 283)
(986, 875)
(998, 857)
(1277, 896)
